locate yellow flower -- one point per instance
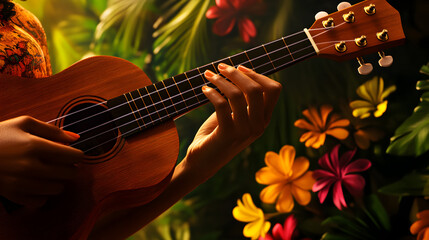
(373, 94)
(421, 226)
(246, 211)
(319, 126)
(287, 178)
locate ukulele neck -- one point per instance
(175, 96)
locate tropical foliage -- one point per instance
(358, 139)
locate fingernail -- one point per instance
(205, 88)
(75, 136)
(243, 68)
(222, 66)
(209, 74)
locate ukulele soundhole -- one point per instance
(97, 129)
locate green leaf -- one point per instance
(414, 184)
(422, 85)
(180, 42)
(332, 236)
(412, 137)
(71, 39)
(425, 69)
(348, 226)
(376, 212)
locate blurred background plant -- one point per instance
(166, 38)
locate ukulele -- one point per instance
(126, 123)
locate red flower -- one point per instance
(338, 172)
(228, 12)
(285, 232)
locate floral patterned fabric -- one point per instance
(23, 48)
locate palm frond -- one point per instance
(180, 42)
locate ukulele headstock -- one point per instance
(364, 28)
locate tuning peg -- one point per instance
(320, 14)
(385, 61)
(365, 68)
(343, 5)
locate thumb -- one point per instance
(47, 131)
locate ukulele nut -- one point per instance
(328, 23)
(341, 47)
(383, 35)
(361, 41)
(370, 9)
(349, 17)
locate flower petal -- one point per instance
(346, 158)
(214, 12)
(381, 108)
(269, 194)
(268, 176)
(338, 196)
(338, 123)
(285, 202)
(323, 193)
(223, 25)
(303, 197)
(255, 229)
(289, 227)
(363, 112)
(299, 167)
(247, 29)
(387, 92)
(316, 140)
(325, 162)
(275, 162)
(360, 104)
(224, 4)
(305, 182)
(287, 155)
(324, 183)
(324, 112)
(359, 165)
(301, 123)
(305, 136)
(319, 173)
(354, 184)
(419, 225)
(339, 133)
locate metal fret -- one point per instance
(148, 113)
(193, 90)
(249, 60)
(175, 83)
(125, 95)
(288, 48)
(268, 56)
(169, 96)
(156, 89)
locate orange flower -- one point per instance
(421, 226)
(319, 126)
(287, 178)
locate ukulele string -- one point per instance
(152, 105)
(160, 119)
(165, 108)
(157, 111)
(170, 97)
(104, 102)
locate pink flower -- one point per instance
(338, 172)
(228, 12)
(284, 232)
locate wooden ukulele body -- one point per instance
(134, 172)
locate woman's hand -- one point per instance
(240, 118)
(34, 162)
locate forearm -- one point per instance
(122, 224)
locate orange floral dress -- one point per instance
(23, 48)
